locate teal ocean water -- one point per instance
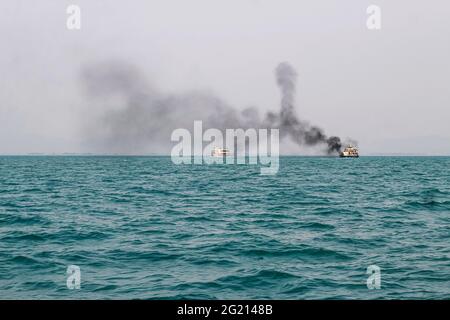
(142, 227)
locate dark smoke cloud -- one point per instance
(290, 124)
(137, 118)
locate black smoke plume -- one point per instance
(290, 124)
(136, 118)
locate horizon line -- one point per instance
(68, 154)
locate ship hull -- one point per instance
(348, 156)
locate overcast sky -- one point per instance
(388, 89)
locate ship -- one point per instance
(349, 152)
(220, 152)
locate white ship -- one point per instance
(220, 152)
(349, 152)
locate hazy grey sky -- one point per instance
(387, 89)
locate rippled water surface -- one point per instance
(142, 227)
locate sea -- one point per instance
(137, 227)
